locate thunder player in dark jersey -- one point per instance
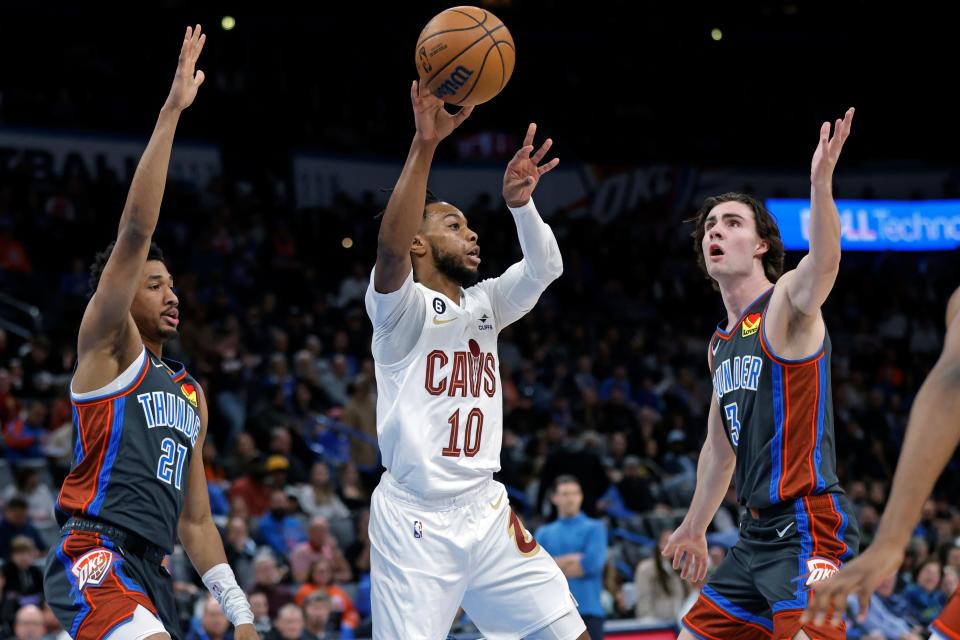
(933, 434)
(770, 424)
(135, 484)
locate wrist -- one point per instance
(425, 144)
(822, 185)
(170, 110)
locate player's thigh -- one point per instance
(730, 606)
(92, 589)
(417, 572)
(515, 587)
(797, 550)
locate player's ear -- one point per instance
(418, 248)
(762, 248)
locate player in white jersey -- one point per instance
(442, 531)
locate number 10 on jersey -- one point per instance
(472, 433)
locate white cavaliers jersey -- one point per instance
(439, 409)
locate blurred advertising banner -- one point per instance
(54, 155)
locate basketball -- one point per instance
(465, 56)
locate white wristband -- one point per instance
(223, 585)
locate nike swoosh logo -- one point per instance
(784, 531)
(159, 365)
(716, 345)
(497, 505)
(437, 320)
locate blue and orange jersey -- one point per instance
(133, 442)
(778, 413)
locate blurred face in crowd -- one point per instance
(731, 245)
(446, 241)
(316, 613)
(567, 497)
(319, 531)
(237, 531)
(154, 307)
(929, 576)
(15, 515)
(289, 622)
(320, 475)
(28, 623)
(214, 622)
(265, 570)
(885, 588)
(321, 575)
(259, 605)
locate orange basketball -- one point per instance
(465, 56)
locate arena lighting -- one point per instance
(876, 225)
(716, 34)
(228, 23)
(346, 243)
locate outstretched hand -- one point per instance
(434, 122)
(828, 150)
(524, 170)
(188, 78)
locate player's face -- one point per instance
(453, 244)
(730, 244)
(568, 497)
(155, 304)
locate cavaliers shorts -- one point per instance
(94, 582)
(763, 585)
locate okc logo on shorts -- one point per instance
(417, 529)
(820, 569)
(91, 568)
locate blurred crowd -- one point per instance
(605, 381)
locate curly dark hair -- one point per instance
(430, 199)
(766, 228)
(100, 261)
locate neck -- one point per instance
(568, 515)
(433, 279)
(155, 347)
(737, 294)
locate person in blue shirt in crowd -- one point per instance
(579, 546)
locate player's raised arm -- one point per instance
(107, 325)
(405, 208)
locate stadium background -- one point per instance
(268, 225)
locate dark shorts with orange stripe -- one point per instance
(762, 587)
(93, 586)
(947, 624)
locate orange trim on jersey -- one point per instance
(113, 396)
(726, 615)
(768, 350)
(729, 334)
(944, 630)
(801, 396)
(104, 438)
(183, 374)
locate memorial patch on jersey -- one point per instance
(190, 392)
(750, 325)
(91, 568)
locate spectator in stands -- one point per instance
(289, 624)
(39, 498)
(257, 485)
(267, 579)
(321, 579)
(260, 606)
(281, 444)
(319, 545)
(358, 553)
(213, 623)
(660, 591)
(279, 529)
(579, 546)
(923, 598)
(882, 620)
(29, 623)
(319, 498)
(241, 551)
(24, 433)
(316, 614)
(360, 413)
(351, 490)
(16, 522)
